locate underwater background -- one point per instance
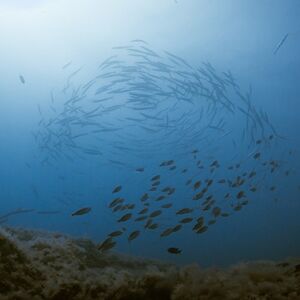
(185, 112)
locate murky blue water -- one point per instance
(94, 96)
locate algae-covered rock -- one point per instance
(42, 265)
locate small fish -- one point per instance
(142, 218)
(144, 197)
(211, 222)
(256, 155)
(198, 196)
(167, 232)
(197, 184)
(174, 250)
(143, 211)
(117, 189)
(133, 235)
(108, 244)
(131, 206)
(240, 194)
(156, 213)
(155, 183)
(202, 229)
(171, 191)
(184, 211)
(22, 79)
(82, 211)
(159, 198)
(252, 174)
(209, 182)
(117, 208)
(155, 178)
(167, 205)
(125, 218)
(280, 43)
(188, 182)
(153, 226)
(140, 170)
(115, 202)
(225, 214)
(116, 233)
(216, 211)
(177, 228)
(186, 220)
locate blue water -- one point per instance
(159, 107)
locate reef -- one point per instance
(42, 265)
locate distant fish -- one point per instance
(48, 212)
(22, 79)
(174, 250)
(117, 189)
(108, 244)
(133, 235)
(280, 43)
(66, 65)
(81, 211)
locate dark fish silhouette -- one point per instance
(82, 211)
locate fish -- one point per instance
(197, 185)
(156, 213)
(117, 189)
(280, 43)
(156, 183)
(198, 196)
(177, 228)
(159, 198)
(174, 250)
(216, 211)
(153, 226)
(116, 201)
(256, 155)
(188, 182)
(240, 194)
(211, 222)
(186, 220)
(202, 229)
(22, 79)
(48, 212)
(82, 211)
(144, 197)
(115, 233)
(167, 205)
(155, 178)
(125, 217)
(140, 170)
(133, 235)
(117, 208)
(184, 211)
(106, 245)
(141, 218)
(67, 65)
(143, 211)
(167, 232)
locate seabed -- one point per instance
(45, 265)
